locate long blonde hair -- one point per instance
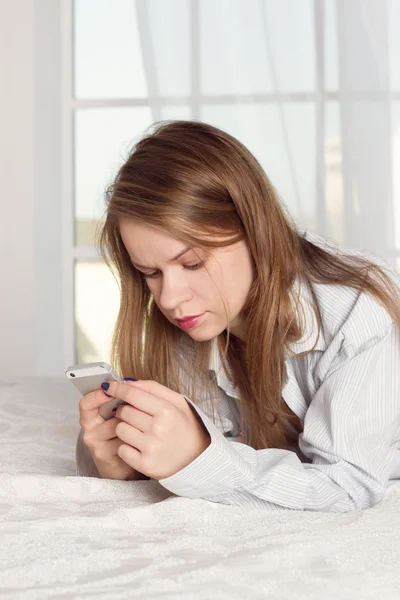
(196, 182)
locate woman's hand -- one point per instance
(160, 431)
(100, 437)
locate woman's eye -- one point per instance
(190, 267)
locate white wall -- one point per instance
(30, 230)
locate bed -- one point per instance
(64, 536)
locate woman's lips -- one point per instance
(187, 318)
(191, 322)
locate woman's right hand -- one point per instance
(100, 437)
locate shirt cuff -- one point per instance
(217, 470)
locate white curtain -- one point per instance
(312, 87)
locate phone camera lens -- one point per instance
(72, 374)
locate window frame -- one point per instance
(70, 104)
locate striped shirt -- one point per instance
(346, 395)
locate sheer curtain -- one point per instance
(312, 88)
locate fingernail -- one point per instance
(129, 379)
(108, 395)
(105, 385)
(114, 410)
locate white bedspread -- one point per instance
(64, 536)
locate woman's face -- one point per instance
(180, 292)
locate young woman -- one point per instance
(284, 393)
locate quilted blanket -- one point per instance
(64, 536)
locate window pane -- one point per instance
(333, 174)
(103, 138)
(396, 171)
(330, 46)
(107, 52)
(168, 46)
(252, 47)
(176, 112)
(282, 138)
(96, 310)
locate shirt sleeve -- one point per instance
(349, 435)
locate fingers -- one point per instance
(93, 400)
(134, 417)
(159, 391)
(135, 397)
(101, 433)
(104, 451)
(147, 396)
(88, 408)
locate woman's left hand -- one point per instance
(161, 432)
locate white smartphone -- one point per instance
(89, 377)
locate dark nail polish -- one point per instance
(114, 410)
(129, 379)
(105, 385)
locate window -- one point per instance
(284, 77)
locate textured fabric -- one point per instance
(72, 537)
(347, 398)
